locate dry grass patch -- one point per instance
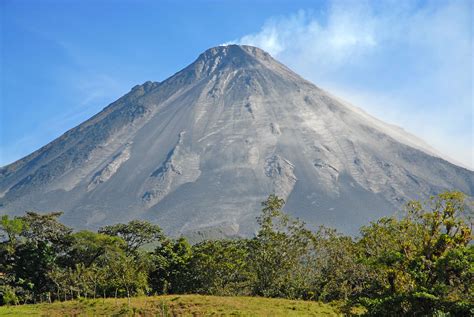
(176, 305)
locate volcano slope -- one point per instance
(198, 152)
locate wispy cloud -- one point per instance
(403, 62)
(303, 38)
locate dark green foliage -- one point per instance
(280, 254)
(170, 272)
(419, 264)
(416, 304)
(425, 258)
(32, 251)
(220, 268)
(93, 248)
(136, 233)
(45, 229)
(339, 272)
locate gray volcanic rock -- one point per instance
(198, 152)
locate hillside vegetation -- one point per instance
(419, 264)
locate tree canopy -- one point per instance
(417, 263)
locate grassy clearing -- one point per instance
(176, 305)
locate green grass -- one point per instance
(175, 305)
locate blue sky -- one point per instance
(407, 62)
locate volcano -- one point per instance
(198, 153)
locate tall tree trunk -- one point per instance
(128, 296)
(391, 281)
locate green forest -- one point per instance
(419, 262)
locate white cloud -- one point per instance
(302, 37)
(404, 63)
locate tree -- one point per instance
(136, 233)
(278, 253)
(220, 268)
(425, 258)
(91, 260)
(45, 228)
(36, 242)
(11, 229)
(60, 278)
(129, 274)
(417, 264)
(337, 272)
(171, 261)
(93, 248)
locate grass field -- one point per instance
(175, 305)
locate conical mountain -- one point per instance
(199, 151)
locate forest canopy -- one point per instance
(419, 263)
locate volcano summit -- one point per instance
(198, 152)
